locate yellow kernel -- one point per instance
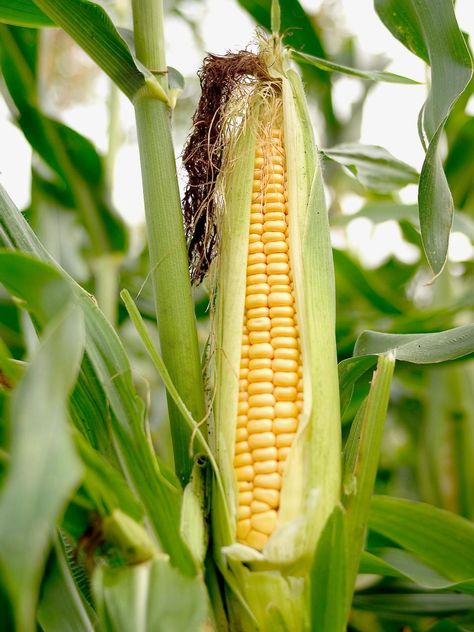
(277, 279)
(256, 268)
(281, 364)
(269, 496)
(285, 378)
(286, 409)
(283, 322)
(261, 412)
(243, 512)
(260, 387)
(285, 393)
(274, 187)
(282, 331)
(261, 440)
(256, 540)
(299, 405)
(273, 196)
(260, 375)
(263, 350)
(265, 467)
(254, 237)
(278, 226)
(287, 353)
(259, 324)
(259, 425)
(244, 473)
(260, 363)
(285, 425)
(256, 229)
(244, 363)
(242, 408)
(246, 486)
(244, 350)
(244, 372)
(258, 247)
(283, 342)
(256, 257)
(241, 447)
(241, 434)
(257, 312)
(245, 498)
(259, 288)
(255, 300)
(268, 481)
(277, 257)
(271, 237)
(275, 216)
(282, 311)
(256, 506)
(242, 460)
(243, 384)
(255, 279)
(275, 206)
(272, 247)
(264, 522)
(283, 453)
(285, 440)
(262, 399)
(265, 454)
(256, 337)
(241, 421)
(281, 467)
(280, 299)
(243, 529)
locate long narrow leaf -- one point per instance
(23, 13)
(44, 466)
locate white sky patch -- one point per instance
(460, 248)
(15, 160)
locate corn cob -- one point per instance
(270, 385)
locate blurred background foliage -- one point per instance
(428, 447)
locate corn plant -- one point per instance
(280, 506)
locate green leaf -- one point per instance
(330, 66)
(90, 26)
(328, 577)
(150, 596)
(419, 348)
(23, 13)
(107, 368)
(430, 31)
(62, 607)
(44, 467)
(442, 539)
(391, 562)
(400, 605)
(361, 457)
(350, 370)
(374, 167)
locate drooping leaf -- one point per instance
(430, 31)
(88, 24)
(373, 166)
(330, 66)
(440, 538)
(419, 348)
(401, 605)
(44, 465)
(392, 562)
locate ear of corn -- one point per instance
(276, 402)
(276, 398)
